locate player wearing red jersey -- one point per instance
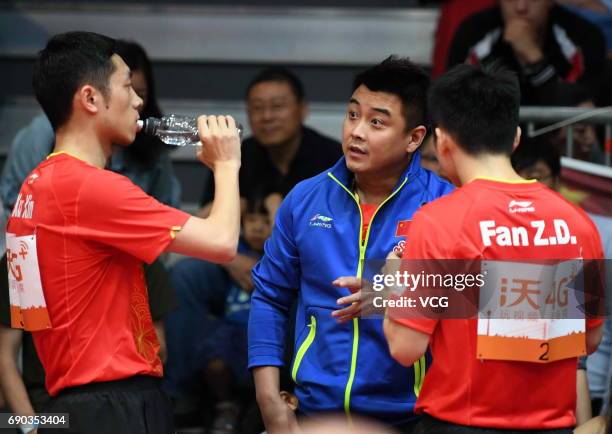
(476, 113)
(78, 235)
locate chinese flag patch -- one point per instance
(402, 228)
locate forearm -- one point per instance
(267, 383)
(225, 210)
(267, 389)
(406, 345)
(14, 389)
(11, 381)
(583, 398)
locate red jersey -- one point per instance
(460, 388)
(94, 228)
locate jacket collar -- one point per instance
(345, 176)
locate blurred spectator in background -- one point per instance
(599, 12)
(539, 160)
(541, 41)
(281, 153)
(586, 144)
(147, 163)
(452, 14)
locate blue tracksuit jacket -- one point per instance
(336, 367)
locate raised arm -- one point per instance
(215, 238)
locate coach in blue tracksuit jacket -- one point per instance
(322, 232)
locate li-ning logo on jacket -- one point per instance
(319, 220)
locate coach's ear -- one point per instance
(414, 138)
(517, 138)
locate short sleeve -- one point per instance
(111, 210)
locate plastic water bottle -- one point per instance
(176, 130)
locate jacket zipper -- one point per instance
(362, 251)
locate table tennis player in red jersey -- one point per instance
(79, 234)
(476, 113)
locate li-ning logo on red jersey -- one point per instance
(32, 178)
(520, 206)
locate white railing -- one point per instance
(566, 117)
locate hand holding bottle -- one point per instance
(220, 141)
(175, 130)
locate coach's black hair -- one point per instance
(402, 78)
